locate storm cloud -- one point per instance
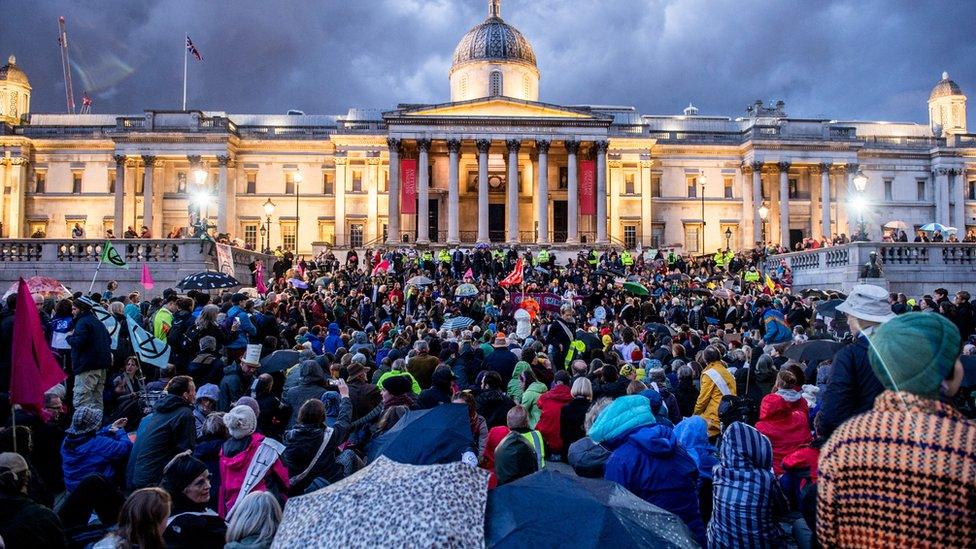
(857, 59)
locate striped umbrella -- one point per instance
(466, 290)
(456, 323)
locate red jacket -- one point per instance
(551, 403)
(233, 470)
(784, 422)
(495, 437)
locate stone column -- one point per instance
(572, 194)
(748, 208)
(647, 203)
(393, 219)
(512, 190)
(483, 146)
(6, 166)
(17, 198)
(372, 184)
(222, 212)
(342, 175)
(601, 191)
(757, 201)
(615, 186)
(824, 200)
(784, 204)
(959, 204)
(119, 225)
(542, 191)
(423, 191)
(147, 194)
(453, 191)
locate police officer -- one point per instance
(626, 259)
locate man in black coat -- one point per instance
(91, 355)
(364, 395)
(6, 341)
(169, 430)
(491, 401)
(965, 315)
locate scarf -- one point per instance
(398, 400)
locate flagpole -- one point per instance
(92, 286)
(185, 53)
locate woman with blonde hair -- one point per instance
(253, 523)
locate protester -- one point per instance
(521, 452)
(716, 382)
(91, 355)
(236, 458)
(24, 523)
(312, 447)
(142, 521)
(784, 419)
(551, 405)
(191, 523)
(93, 450)
(253, 524)
(170, 429)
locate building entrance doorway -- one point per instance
(560, 219)
(496, 222)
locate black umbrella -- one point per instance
(814, 351)
(426, 437)
(813, 292)
(659, 330)
(208, 280)
(829, 308)
(703, 292)
(278, 361)
(614, 516)
(608, 272)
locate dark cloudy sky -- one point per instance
(864, 59)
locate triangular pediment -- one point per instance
(502, 107)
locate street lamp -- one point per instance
(702, 180)
(728, 238)
(269, 207)
(298, 181)
(763, 215)
(859, 202)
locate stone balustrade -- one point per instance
(913, 268)
(74, 262)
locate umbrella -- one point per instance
(901, 225)
(420, 281)
(425, 437)
(608, 272)
(829, 308)
(660, 330)
(456, 323)
(700, 292)
(814, 351)
(298, 283)
(278, 361)
(813, 292)
(936, 227)
(722, 293)
(636, 288)
(614, 516)
(250, 292)
(208, 280)
(391, 504)
(43, 286)
(678, 276)
(466, 290)
(542, 270)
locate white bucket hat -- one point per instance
(868, 302)
(252, 355)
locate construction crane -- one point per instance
(66, 65)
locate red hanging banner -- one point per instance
(587, 187)
(408, 186)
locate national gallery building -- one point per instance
(493, 164)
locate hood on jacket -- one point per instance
(358, 337)
(692, 432)
(537, 387)
(656, 439)
(311, 373)
(622, 416)
(743, 447)
(520, 367)
(587, 458)
(333, 329)
(169, 403)
(780, 404)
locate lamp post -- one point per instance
(298, 182)
(860, 203)
(269, 207)
(728, 238)
(763, 215)
(702, 180)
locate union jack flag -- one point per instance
(193, 49)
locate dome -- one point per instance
(945, 87)
(494, 40)
(12, 73)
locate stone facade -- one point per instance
(689, 180)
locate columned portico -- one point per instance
(483, 146)
(147, 193)
(542, 191)
(757, 201)
(512, 189)
(423, 192)
(572, 193)
(784, 203)
(453, 191)
(393, 222)
(601, 192)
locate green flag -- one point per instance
(111, 256)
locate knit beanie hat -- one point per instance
(250, 403)
(240, 421)
(182, 470)
(914, 352)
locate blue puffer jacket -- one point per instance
(246, 329)
(333, 341)
(93, 454)
(648, 461)
(777, 330)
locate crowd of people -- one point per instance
(685, 380)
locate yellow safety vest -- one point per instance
(593, 258)
(543, 256)
(444, 256)
(428, 256)
(626, 259)
(751, 276)
(535, 440)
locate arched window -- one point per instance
(495, 83)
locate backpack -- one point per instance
(733, 408)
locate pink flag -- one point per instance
(147, 281)
(35, 369)
(382, 266)
(469, 273)
(259, 278)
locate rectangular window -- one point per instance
(111, 182)
(356, 235)
(76, 183)
(657, 235)
(794, 187)
(920, 190)
(384, 232)
(251, 236)
(357, 181)
(692, 183)
(289, 183)
(630, 236)
(655, 186)
(288, 235)
(252, 183)
(691, 238)
(629, 183)
(180, 182)
(729, 182)
(40, 182)
(328, 184)
(972, 189)
(107, 225)
(37, 229)
(327, 232)
(889, 195)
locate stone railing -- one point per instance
(913, 268)
(74, 262)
